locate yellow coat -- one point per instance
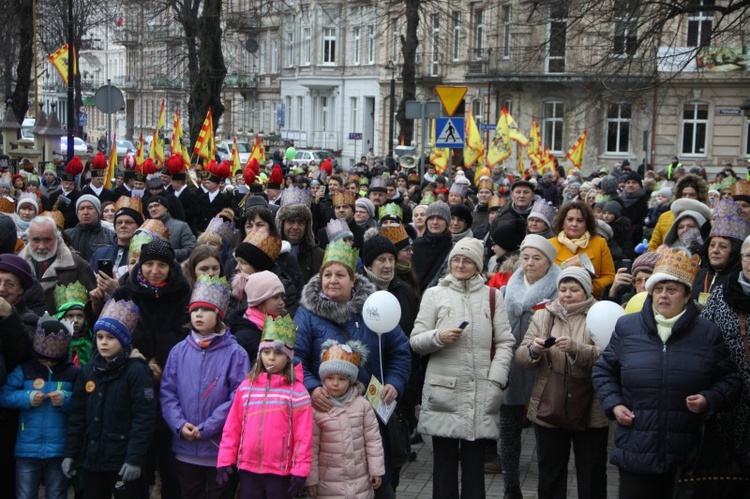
(661, 228)
(601, 258)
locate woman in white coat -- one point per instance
(464, 383)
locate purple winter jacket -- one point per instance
(197, 386)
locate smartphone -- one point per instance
(626, 263)
(549, 342)
(106, 266)
(463, 325)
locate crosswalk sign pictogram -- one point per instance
(450, 132)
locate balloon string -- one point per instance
(380, 355)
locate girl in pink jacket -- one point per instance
(348, 451)
(268, 434)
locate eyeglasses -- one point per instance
(457, 260)
(408, 249)
(745, 257)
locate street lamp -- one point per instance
(392, 68)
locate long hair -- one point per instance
(200, 253)
(265, 214)
(259, 368)
(586, 212)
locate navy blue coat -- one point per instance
(653, 379)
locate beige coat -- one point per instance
(463, 387)
(572, 324)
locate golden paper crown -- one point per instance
(156, 227)
(394, 234)
(268, 244)
(7, 205)
(57, 216)
(72, 293)
(495, 202)
(741, 188)
(135, 204)
(676, 265)
(340, 252)
(345, 197)
(282, 329)
(341, 352)
(485, 183)
(391, 209)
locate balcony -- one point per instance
(127, 82)
(244, 80)
(429, 68)
(245, 22)
(125, 37)
(478, 61)
(167, 33)
(166, 82)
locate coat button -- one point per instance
(100, 394)
(96, 418)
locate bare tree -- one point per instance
(19, 50)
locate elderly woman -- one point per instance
(729, 308)
(533, 283)
(685, 234)
(464, 383)
(689, 186)
(576, 235)
(331, 308)
(27, 207)
(572, 350)
(540, 219)
(664, 371)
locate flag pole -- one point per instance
(71, 73)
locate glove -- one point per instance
(222, 474)
(67, 467)
(129, 472)
(296, 485)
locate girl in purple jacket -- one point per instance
(197, 386)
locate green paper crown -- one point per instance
(391, 209)
(72, 293)
(139, 240)
(340, 251)
(282, 329)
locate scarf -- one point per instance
(201, 340)
(340, 401)
(402, 268)
(664, 326)
(574, 244)
(144, 282)
(22, 226)
(255, 316)
(630, 199)
(381, 284)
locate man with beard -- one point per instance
(294, 223)
(53, 262)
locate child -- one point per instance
(199, 380)
(347, 451)
(112, 410)
(268, 433)
(265, 297)
(40, 389)
(71, 301)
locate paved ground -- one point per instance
(416, 477)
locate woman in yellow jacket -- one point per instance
(576, 235)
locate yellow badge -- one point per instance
(90, 386)
(703, 298)
(38, 384)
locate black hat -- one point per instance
(376, 246)
(522, 183)
(158, 199)
(634, 176)
(158, 249)
(509, 235)
(463, 212)
(254, 256)
(131, 213)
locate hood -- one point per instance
(338, 313)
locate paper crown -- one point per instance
(726, 205)
(412, 177)
(139, 239)
(74, 293)
(52, 337)
(342, 359)
(295, 195)
(459, 189)
(55, 215)
(118, 317)
(377, 184)
(281, 331)
(545, 211)
(337, 229)
(135, 204)
(674, 265)
(156, 227)
(222, 227)
(741, 188)
(494, 203)
(392, 210)
(340, 252)
(485, 183)
(428, 198)
(268, 244)
(7, 205)
(396, 235)
(339, 198)
(729, 224)
(364, 181)
(210, 292)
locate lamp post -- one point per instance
(392, 68)
(71, 111)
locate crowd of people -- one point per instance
(203, 333)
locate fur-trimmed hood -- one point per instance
(300, 212)
(691, 178)
(520, 298)
(338, 313)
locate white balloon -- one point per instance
(601, 321)
(381, 312)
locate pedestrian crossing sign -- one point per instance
(450, 132)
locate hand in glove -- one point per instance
(67, 467)
(129, 472)
(222, 474)
(296, 485)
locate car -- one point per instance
(79, 146)
(124, 146)
(224, 150)
(307, 156)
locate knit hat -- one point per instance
(471, 248)
(603, 229)
(158, 199)
(118, 318)
(459, 188)
(366, 204)
(581, 276)
(338, 229)
(439, 209)
(509, 235)
(674, 265)
(91, 199)
(613, 207)
(463, 212)
(634, 176)
(644, 263)
(210, 292)
(609, 184)
(280, 334)
(158, 249)
(261, 286)
(342, 359)
(52, 338)
(259, 249)
(19, 267)
(376, 246)
(539, 243)
(544, 211)
(28, 198)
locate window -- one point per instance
(329, 45)
(618, 128)
(626, 29)
(505, 13)
(274, 56)
(261, 57)
(371, 45)
(694, 128)
(508, 103)
(558, 28)
(477, 110)
(357, 41)
(354, 118)
(289, 58)
(552, 126)
(395, 41)
(747, 137)
(300, 113)
(456, 46)
(306, 53)
(434, 44)
(323, 113)
(478, 34)
(700, 25)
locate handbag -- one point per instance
(565, 401)
(399, 439)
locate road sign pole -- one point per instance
(424, 139)
(109, 115)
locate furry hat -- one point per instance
(296, 211)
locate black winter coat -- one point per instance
(245, 332)
(653, 378)
(430, 253)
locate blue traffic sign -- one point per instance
(488, 127)
(449, 132)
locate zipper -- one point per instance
(262, 423)
(211, 387)
(662, 411)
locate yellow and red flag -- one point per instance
(534, 149)
(474, 147)
(205, 147)
(505, 132)
(575, 154)
(520, 167)
(547, 162)
(440, 155)
(175, 144)
(258, 152)
(157, 147)
(139, 158)
(60, 59)
(112, 164)
(235, 158)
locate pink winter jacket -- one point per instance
(347, 451)
(269, 427)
